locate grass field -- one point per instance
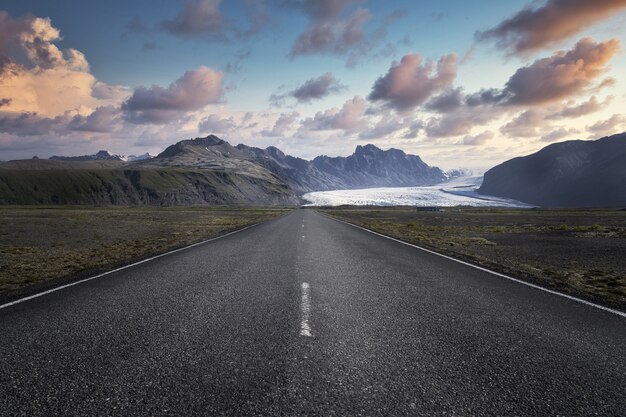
(40, 244)
(581, 252)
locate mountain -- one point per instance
(99, 156)
(370, 166)
(301, 175)
(367, 167)
(574, 173)
(191, 172)
(205, 170)
(133, 158)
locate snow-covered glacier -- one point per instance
(458, 192)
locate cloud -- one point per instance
(538, 121)
(551, 79)
(527, 124)
(337, 28)
(27, 124)
(560, 133)
(538, 88)
(35, 37)
(104, 119)
(349, 118)
(324, 9)
(555, 20)
(612, 125)
(312, 89)
(577, 110)
(385, 126)
(332, 36)
(213, 123)
(37, 77)
(149, 46)
(562, 75)
(460, 121)
(477, 140)
(136, 25)
(193, 91)
(204, 19)
(198, 18)
(408, 83)
(284, 122)
(258, 17)
(446, 101)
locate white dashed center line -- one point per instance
(305, 310)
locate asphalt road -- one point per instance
(304, 315)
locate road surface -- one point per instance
(304, 315)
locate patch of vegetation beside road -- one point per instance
(580, 252)
(41, 244)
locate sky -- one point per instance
(462, 84)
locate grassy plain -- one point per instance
(42, 244)
(581, 252)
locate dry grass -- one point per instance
(581, 252)
(39, 244)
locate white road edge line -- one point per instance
(305, 309)
(519, 281)
(71, 284)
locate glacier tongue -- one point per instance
(458, 192)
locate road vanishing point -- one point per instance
(307, 316)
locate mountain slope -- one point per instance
(568, 174)
(198, 171)
(367, 167)
(370, 166)
(138, 187)
(99, 156)
(301, 175)
(205, 171)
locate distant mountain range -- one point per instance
(209, 170)
(574, 173)
(205, 171)
(103, 156)
(99, 156)
(368, 166)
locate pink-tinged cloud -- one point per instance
(562, 75)
(385, 126)
(534, 28)
(37, 77)
(349, 118)
(447, 101)
(461, 121)
(157, 105)
(332, 36)
(477, 140)
(214, 123)
(104, 119)
(578, 110)
(614, 124)
(409, 83)
(559, 133)
(528, 124)
(312, 89)
(282, 125)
